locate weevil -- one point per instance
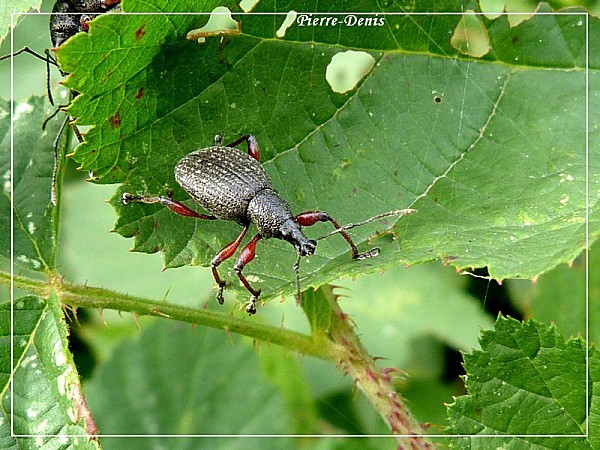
(68, 18)
(233, 185)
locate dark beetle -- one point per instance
(232, 185)
(69, 17)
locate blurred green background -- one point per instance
(417, 319)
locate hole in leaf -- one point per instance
(220, 22)
(517, 6)
(290, 18)
(140, 32)
(470, 36)
(492, 9)
(115, 120)
(346, 69)
(248, 5)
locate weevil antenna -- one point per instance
(48, 58)
(297, 271)
(397, 212)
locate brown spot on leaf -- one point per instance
(115, 120)
(140, 32)
(140, 93)
(448, 259)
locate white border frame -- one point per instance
(431, 436)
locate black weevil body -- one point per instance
(232, 185)
(70, 17)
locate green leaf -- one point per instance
(559, 296)
(406, 306)
(491, 155)
(13, 8)
(594, 419)
(285, 372)
(527, 380)
(47, 395)
(173, 379)
(35, 217)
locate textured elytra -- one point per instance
(223, 180)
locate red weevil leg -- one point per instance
(175, 206)
(309, 218)
(247, 255)
(253, 149)
(225, 253)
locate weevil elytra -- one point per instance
(233, 185)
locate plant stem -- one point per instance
(93, 297)
(327, 318)
(333, 339)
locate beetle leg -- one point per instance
(247, 255)
(106, 4)
(253, 149)
(225, 253)
(47, 59)
(309, 218)
(176, 207)
(31, 52)
(83, 21)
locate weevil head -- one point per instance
(292, 232)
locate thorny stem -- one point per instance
(340, 344)
(376, 384)
(92, 297)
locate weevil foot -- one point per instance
(128, 198)
(370, 254)
(251, 306)
(220, 294)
